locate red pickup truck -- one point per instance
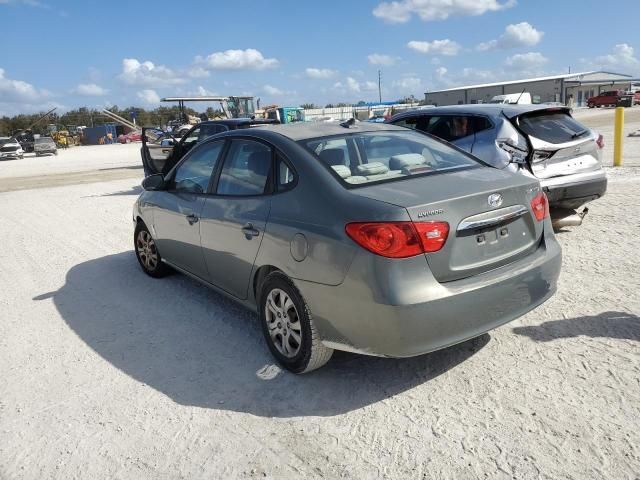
(611, 97)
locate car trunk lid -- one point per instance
(490, 219)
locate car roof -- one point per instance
(239, 121)
(489, 109)
(306, 130)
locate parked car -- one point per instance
(134, 136)
(162, 150)
(523, 98)
(362, 237)
(10, 148)
(546, 142)
(610, 98)
(45, 146)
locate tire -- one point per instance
(275, 310)
(147, 254)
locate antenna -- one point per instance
(380, 85)
(521, 94)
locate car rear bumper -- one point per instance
(404, 311)
(573, 191)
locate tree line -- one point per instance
(91, 117)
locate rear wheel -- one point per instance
(147, 254)
(288, 326)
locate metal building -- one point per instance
(571, 89)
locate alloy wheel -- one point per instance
(147, 251)
(283, 323)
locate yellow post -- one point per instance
(618, 137)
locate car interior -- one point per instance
(374, 157)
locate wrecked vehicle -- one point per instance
(539, 140)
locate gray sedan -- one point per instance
(362, 237)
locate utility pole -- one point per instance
(380, 85)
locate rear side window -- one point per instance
(552, 127)
(451, 127)
(246, 169)
(367, 157)
(286, 176)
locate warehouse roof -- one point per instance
(566, 76)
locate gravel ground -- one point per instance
(107, 373)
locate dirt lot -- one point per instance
(107, 373)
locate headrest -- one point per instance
(342, 170)
(397, 162)
(332, 156)
(373, 168)
(259, 162)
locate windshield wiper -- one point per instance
(580, 133)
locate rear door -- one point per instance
(234, 217)
(560, 145)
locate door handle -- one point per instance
(192, 218)
(249, 231)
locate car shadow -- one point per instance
(620, 325)
(135, 190)
(201, 349)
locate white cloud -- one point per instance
(381, 59)
(622, 57)
(19, 90)
(442, 78)
(401, 11)
(149, 97)
(515, 35)
(408, 84)
(273, 91)
(437, 47)
(527, 62)
(90, 90)
(351, 85)
(203, 92)
(198, 72)
(249, 59)
(147, 74)
(320, 72)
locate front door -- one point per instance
(157, 148)
(177, 210)
(233, 220)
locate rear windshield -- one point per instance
(364, 158)
(552, 127)
(44, 140)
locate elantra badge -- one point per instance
(494, 200)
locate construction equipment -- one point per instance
(233, 107)
(284, 114)
(121, 120)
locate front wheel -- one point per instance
(147, 254)
(288, 326)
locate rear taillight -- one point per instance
(399, 239)
(600, 141)
(540, 206)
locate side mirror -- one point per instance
(153, 182)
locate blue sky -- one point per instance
(87, 53)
